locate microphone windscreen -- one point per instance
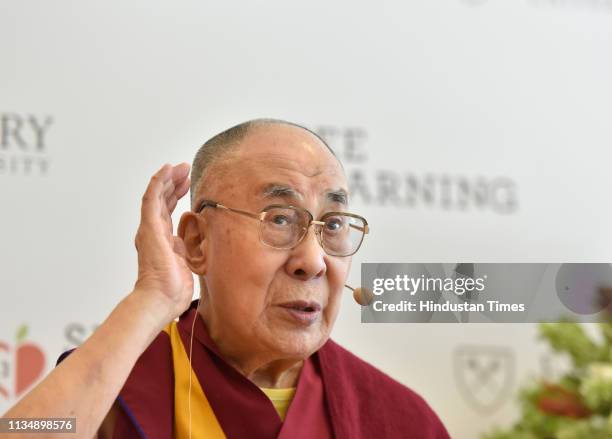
(363, 296)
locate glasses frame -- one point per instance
(260, 217)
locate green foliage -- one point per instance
(596, 387)
(571, 339)
(577, 406)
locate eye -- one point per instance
(333, 224)
(280, 220)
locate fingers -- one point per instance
(180, 173)
(178, 193)
(182, 188)
(150, 200)
(165, 188)
(179, 187)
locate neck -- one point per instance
(275, 374)
(262, 369)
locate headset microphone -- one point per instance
(363, 296)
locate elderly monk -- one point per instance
(270, 238)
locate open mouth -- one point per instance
(303, 307)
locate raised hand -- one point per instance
(163, 274)
(103, 362)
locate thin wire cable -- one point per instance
(190, 370)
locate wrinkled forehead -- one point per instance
(281, 162)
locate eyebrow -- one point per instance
(338, 196)
(275, 190)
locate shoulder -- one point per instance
(376, 391)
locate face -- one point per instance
(253, 292)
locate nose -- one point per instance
(307, 259)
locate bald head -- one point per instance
(221, 145)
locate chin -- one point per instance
(299, 345)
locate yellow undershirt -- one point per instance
(281, 398)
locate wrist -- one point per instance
(157, 310)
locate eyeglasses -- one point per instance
(284, 227)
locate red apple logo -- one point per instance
(29, 361)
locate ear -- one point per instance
(191, 230)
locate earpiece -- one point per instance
(190, 369)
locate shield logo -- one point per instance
(484, 375)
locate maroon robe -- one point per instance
(338, 395)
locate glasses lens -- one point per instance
(342, 234)
(283, 227)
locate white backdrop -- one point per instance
(473, 131)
